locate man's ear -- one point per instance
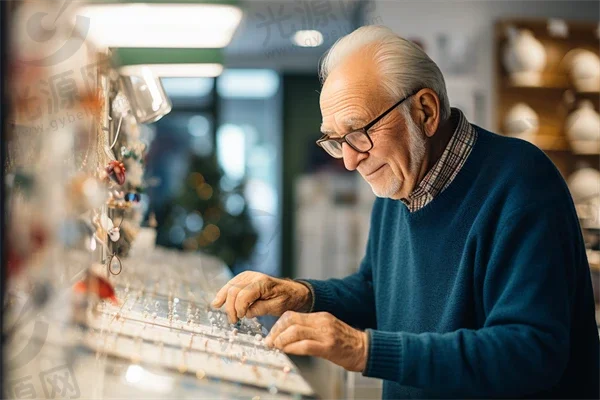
(426, 104)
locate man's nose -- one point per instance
(352, 157)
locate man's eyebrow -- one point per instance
(349, 123)
(326, 131)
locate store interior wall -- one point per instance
(472, 22)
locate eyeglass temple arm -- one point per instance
(386, 112)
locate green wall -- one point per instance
(301, 128)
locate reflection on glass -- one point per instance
(188, 87)
(231, 150)
(261, 196)
(134, 374)
(194, 222)
(199, 126)
(143, 379)
(147, 97)
(248, 84)
(235, 204)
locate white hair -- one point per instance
(403, 65)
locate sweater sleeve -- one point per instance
(523, 345)
(350, 299)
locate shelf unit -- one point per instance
(554, 98)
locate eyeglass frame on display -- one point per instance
(363, 130)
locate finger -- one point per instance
(246, 297)
(306, 348)
(287, 319)
(262, 307)
(232, 294)
(294, 333)
(281, 325)
(221, 296)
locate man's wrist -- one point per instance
(364, 351)
(306, 300)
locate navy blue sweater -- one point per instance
(484, 292)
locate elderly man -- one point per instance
(475, 281)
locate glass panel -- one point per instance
(249, 146)
(179, 135)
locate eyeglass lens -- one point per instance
(357, 140)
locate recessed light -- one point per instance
(308, 38)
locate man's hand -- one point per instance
(320, 335)
(251, 294)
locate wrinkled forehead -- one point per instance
(354, 83)
(351, 97)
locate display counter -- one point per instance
(158, 338)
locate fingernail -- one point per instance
(268, 341)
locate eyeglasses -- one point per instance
(359, 140)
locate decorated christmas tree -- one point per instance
(208, 215)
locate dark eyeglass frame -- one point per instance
(364, 130)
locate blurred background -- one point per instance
(227, 164)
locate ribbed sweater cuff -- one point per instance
(312, 293)
(324, 299)
(385, 355)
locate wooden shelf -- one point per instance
(557, 144)
(554, 98)
(549, 142)
(547, 84)
(594, 97)
(579, 31)
(559, 84)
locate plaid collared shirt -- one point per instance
(447, 167)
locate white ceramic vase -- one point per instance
(584, 70)
(584, 185)
(521, 121)
(583, 129)
(524, 58)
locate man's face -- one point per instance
(351, 98)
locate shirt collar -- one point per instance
(447, 166)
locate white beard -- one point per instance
(388, 188)
(416, 144)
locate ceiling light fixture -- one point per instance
(308, 38)
(183, 24)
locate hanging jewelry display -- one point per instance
(75, 199)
